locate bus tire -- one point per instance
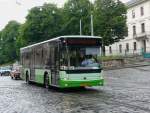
(46, 80)
(82, 87)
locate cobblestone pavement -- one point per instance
(125, 91)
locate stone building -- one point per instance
(138, 23)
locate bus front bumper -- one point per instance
(88, 83)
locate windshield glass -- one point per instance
(80, 58)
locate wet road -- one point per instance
(125, 91)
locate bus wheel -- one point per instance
(82, 87)
(27, 78)
(46, 81)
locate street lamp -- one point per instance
(18, 2)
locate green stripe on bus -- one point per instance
(67, 83)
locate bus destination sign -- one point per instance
(83, 42)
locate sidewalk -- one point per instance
(145, 62)
(142, 63)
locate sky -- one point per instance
(18, 9)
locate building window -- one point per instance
(110, 50)
(127, 47)
(127, 33)
(120, 48)
(142, 11)
(134, 46)
(133, 14)
(134, 30)
(143, 28)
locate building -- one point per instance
(138, 23)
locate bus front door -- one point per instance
(54, 66)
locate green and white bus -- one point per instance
(60, 62)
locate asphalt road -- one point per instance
(125, 91)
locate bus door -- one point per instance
(54, 65)
(32, 70)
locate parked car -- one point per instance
(15, 73)
(5, 71)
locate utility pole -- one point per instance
(80, 27)
(92, 29)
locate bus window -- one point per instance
(63, 58)
(78, 57)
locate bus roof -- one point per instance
(68, 36)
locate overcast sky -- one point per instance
(18, 9)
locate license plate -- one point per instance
(84, 84)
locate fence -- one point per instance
(130, 52)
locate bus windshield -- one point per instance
(80, 58)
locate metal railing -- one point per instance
(130, 52)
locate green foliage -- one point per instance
(73, 11)
(8, 42)
(42, 23)
(110, 20)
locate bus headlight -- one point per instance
(65, 78)
(66, 84)
(101, 77)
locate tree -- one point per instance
(8, 42)
(110, 21)
(74, 10)
(42, 23)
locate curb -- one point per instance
(117, 68)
